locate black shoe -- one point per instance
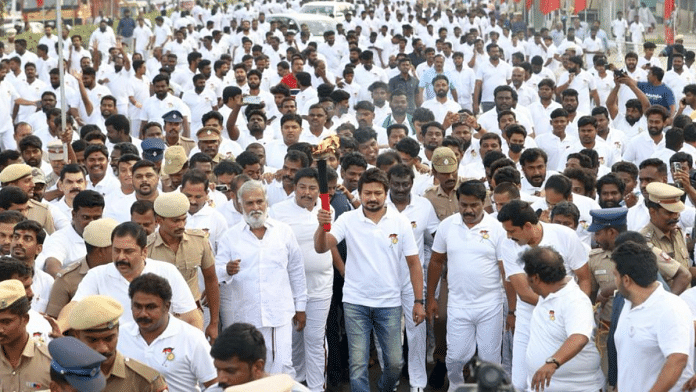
(437, 376)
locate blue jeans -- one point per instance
(386, 322)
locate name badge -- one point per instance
(601, 272)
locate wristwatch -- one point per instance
(512, 312)
(554, 361)
(419, 301)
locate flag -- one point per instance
(39, 3)
(579, 6)
(669, 33)
(529, 4)
(548, 6)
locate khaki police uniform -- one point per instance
(186, 143)
(31, 373)
(130, 375)
(602, 270)
(194, 252)
(65, 286)
(40, 213)
(673, 244)
(100, 313)
(445, 205)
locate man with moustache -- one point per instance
(97, 236)
(261, 261)
(71, 182)
(610, 191)
(66, 245)
(23, 360)
(189, 250)
(173, 121)
(95, 322)
(178, 351)
(129, 255)
(378, 239)
(8, 220)
(470, 243)
(195, 185)
(300, 213)
(145, 180)
(20, 175)
(664, 205)
(533, 162)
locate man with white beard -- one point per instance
(262, 280)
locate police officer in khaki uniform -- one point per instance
(172, 131)
(188, 250)
(664, 205)
(444, 196)
(20, 175)
(173, 168)
(209, 140)
(94, 321)
(24, 362)
(97, 236)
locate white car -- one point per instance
(332, 9)
(317, 24)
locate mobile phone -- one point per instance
(294, 91)
(251, 100)
(463, 116)
(676, 166)
(222, 188)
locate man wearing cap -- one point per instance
(153, 151)
(24, 362)
(172, 131)
(664, 205)
(174, 166)
(445, 169)
(11, 268)
(177, 350)
(55, 158)
(95, 322)
(161, 103)
(75, 366)
(66, 245)
(19, 175)
(189, 250)
(210, 143)
(118, 131)
(97, 236)
(129, 260)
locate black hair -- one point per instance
(559, 184)
(153, 284)
(635, 260)
(88, 199)
(306, 172)
(242, 341)
(131, 229)
(34, 226)
(474, 188)
(544, 262)
(11, 195)
(519, 213)
(373, 175)
(195, 177)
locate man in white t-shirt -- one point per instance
(524, 230)
(177, 350)
(377, 239)
(655, 331)
(561, 355)
(471, 243)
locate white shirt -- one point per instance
(473, 254)
(641, 148)
(541, 116)
(106, 280)
(374, 254)
(38, 327)
(117, 205)
(65, 245)
(106, 185)
(41, 286)
(583, 83)
(199, 104)
(153, 108)
(630, 131)
(271, 278)
(181, 353)
(560, 238)
(555, 148)
(440, 110)
(318, 267)
(647, 334)
(210, 221)
(491, 77)
(555, 318)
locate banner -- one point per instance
(548, 6)
(579, 6)
(669, 32)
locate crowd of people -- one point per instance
(523, 196)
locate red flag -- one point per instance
(529, 4)
(579, 6)
(39, 3)
(669, 33)
(548, 6)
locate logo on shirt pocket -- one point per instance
(394, 238)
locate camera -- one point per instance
(618, 73)
(490, 377)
